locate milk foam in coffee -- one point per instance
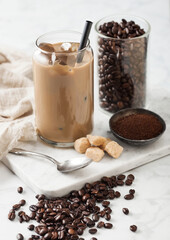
(63, 92)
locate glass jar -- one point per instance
(122, 63)
(63, 88)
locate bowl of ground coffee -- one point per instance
(137, 126)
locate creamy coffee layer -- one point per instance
(63, 92)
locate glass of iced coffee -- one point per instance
(63, 88)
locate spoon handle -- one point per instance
(19, 151)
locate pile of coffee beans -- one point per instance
(121, 65)
(67, 217)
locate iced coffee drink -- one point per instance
(63, 90)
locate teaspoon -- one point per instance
(65, 166)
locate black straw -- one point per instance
(83, 41)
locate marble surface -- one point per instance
(21, 22)
(43, 177)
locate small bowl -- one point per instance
(130, 111)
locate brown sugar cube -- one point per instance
(107, 140)
(95, 153)
(113, 149)
(96, 140)
(81, 145)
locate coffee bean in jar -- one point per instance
(122, 43)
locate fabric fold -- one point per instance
(16, 100)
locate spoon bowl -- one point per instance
(64, 167)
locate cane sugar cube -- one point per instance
(113, 149)
(95, 153)
(96, 140)
(107, 140)
(81, 145)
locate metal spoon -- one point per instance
(66, 166)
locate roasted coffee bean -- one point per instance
(20, 236)
(132, 191)
(131, 177)
(34, 236)
(80, 231)
(120, 182)
(108, 225)
(121, 177)
(16, 206)
(128, 182)
(22, 202)
(107, 216)
(100, 224)
(48, 235)
(129, 196)
(11, 215)
(102, 213)
(33, 208)
(95, 217)
(32, 215)
(93, 231)
(125, 211)
(105, 203)
(90, 223)
(133, 228)
(93, 238)
(71, 231)
(117, 194)
(31, 227)
(19, 189)
(61, 234)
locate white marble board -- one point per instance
(43, 177)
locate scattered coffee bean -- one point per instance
(107, 216)
(132, 191)
(11, 215)
(128, 182)
(31, 227)
(93, 231)
(34, 236)
(19, 189)
(22, 202)
(67, 217)
(20, 236)
(93, 238)
(125, 211)
(33, 208)
(129, 196)
(100, 224)
(105, 203)
(95, 217)
(120, 182)
(121, 177)
(108, 225)
(16, 206)
(133, 228)
(117, 194)
(131, 177)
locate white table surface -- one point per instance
(21, 22)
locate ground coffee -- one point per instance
(138, 126)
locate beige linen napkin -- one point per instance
(16, 100)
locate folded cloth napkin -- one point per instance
(16, 100)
